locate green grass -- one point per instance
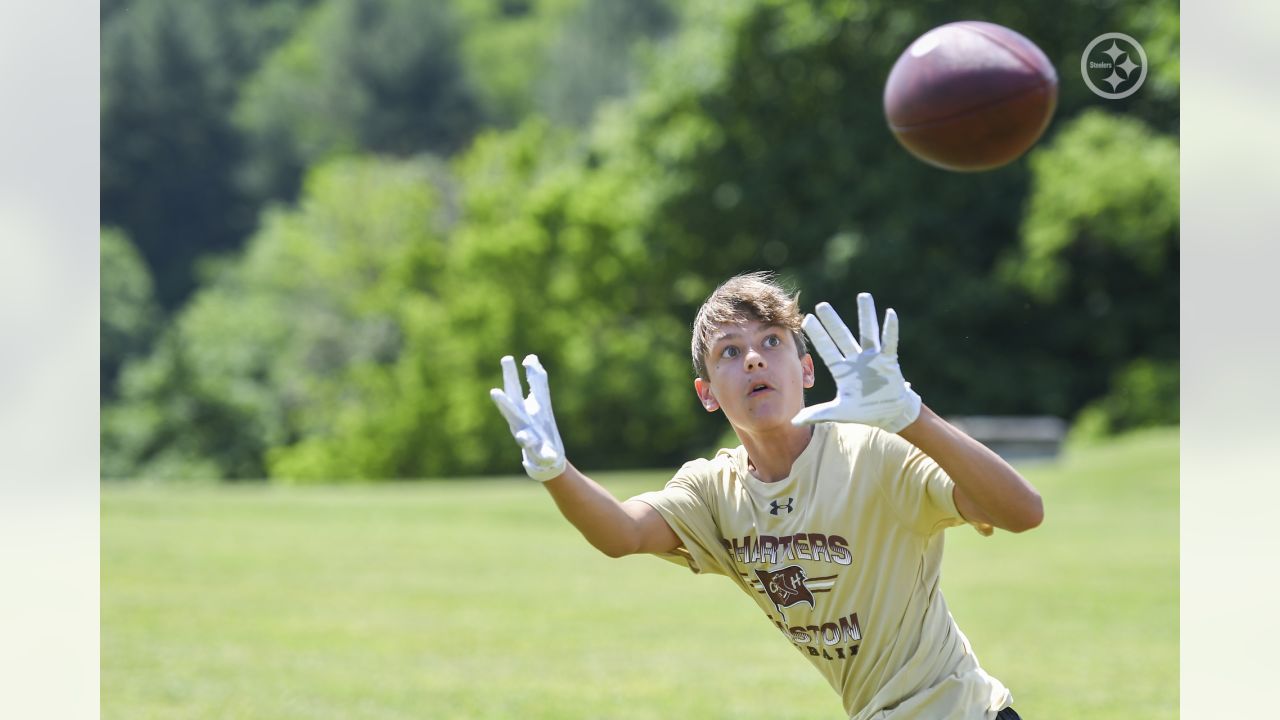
(474, 599)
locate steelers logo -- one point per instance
(1114, 66)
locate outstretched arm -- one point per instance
(614, 528)
(988, 490)
(870, 389)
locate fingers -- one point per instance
(544, 453)
(511, 379)
(890, 333)
(822, 342)
(539, 452)
(530, 419)
(537, 377)
(517, 420)
(868, 326)
(541, 390)
(815, 414)
(522, 429)
(528, 440)
(838, 331)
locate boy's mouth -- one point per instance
(759, 389)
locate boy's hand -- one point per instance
(530, 418)
(869, 384)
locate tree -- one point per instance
(550, 257)
(129, 315)
(298, 342)
(759, 142)
(504, 44)
(356, 76)
(1099, 253)
(170, 72)
(594, 56)
(756, 142)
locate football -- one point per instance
(970, 96)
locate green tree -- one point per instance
(1099, 251)
(357, 75)
(550, 257)
(595, 56)
(504, 45)
(300, 339)
(756, 141)
(170, 73)
(129, 316)
(1144, 393)
(759, 142)
(751, 146)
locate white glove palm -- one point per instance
(870, 388)
(530, 418)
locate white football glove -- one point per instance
(869, 384)
(530, 418)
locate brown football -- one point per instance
(970, 96)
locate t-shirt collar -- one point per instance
(798, 468)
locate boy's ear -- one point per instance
(806, 365)
(705, 396)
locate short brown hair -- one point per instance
(750, 296)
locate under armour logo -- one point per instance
(774, 506)
(868, 379)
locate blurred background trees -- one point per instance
(129, 317)
(328, 219)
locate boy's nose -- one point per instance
(754, 360)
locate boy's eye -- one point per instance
(772, 341)
(729, 352)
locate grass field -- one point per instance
(474, 599)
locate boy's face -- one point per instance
(755, 375)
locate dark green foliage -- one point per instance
(360, 332)
(1099, 254)
(167, 149)
(783, 161)
(358, 75)
(1142, 394)
(552, 259)
(505, 44)
(593, 56)
(129, 316)
(778, 160)
(312, 338)
(212, 108)
(170, 73)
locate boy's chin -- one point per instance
(765, 419)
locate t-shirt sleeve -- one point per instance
(922, 491)
(684, 504)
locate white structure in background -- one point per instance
(1016, 437)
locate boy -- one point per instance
(829, 516)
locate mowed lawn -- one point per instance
(474, 599)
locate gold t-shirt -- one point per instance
(844, 558)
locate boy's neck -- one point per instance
(770, 455)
